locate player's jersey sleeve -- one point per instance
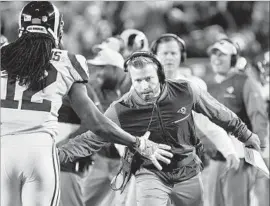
(72, 67)
(79, 69)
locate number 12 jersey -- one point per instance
(26, 111)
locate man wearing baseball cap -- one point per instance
(107, 56)
(115, 43)
(240, 94)
(108, 74)
(224, 46)
(110, 82)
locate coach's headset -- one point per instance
(181, 43)
(236, 51)
(160, 70)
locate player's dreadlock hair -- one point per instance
(27, 59)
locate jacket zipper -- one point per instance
(160, 122)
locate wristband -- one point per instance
(248, 137)
(138, 143)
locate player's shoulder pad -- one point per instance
(78, 62)
(74, 62)
(59, 55)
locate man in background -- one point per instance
(240, 94)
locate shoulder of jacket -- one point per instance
(125, 99)
(240, 75)
(177, 81)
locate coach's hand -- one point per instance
(154, 151)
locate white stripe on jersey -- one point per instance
(56, 22)
(56, 165)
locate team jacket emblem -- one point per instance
(230, 90)
(182, 110)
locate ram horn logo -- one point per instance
(182, 110)
(230, 90)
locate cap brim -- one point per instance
(220, 48)
(98, 47)
(96, 62)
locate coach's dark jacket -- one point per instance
(170, 121)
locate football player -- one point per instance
(35, 75)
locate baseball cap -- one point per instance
(108, 56)
(111, 43)
(224, 46)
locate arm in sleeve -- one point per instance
(81, 146)
(219, 114)
(86, 143)
(215, 134)
(94, 120)
(256, 110)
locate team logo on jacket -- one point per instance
(230, 90)
(182, 110)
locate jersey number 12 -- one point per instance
(27, 104)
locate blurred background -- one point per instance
(198, 23)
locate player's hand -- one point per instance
(253, 142)
(154, 151)
(232, 162)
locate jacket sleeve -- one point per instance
(256, 110)
(215, 134)
(85, 144)
(204, 103)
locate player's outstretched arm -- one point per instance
(94, 120)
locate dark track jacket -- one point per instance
(170, 121)
(240, 93)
